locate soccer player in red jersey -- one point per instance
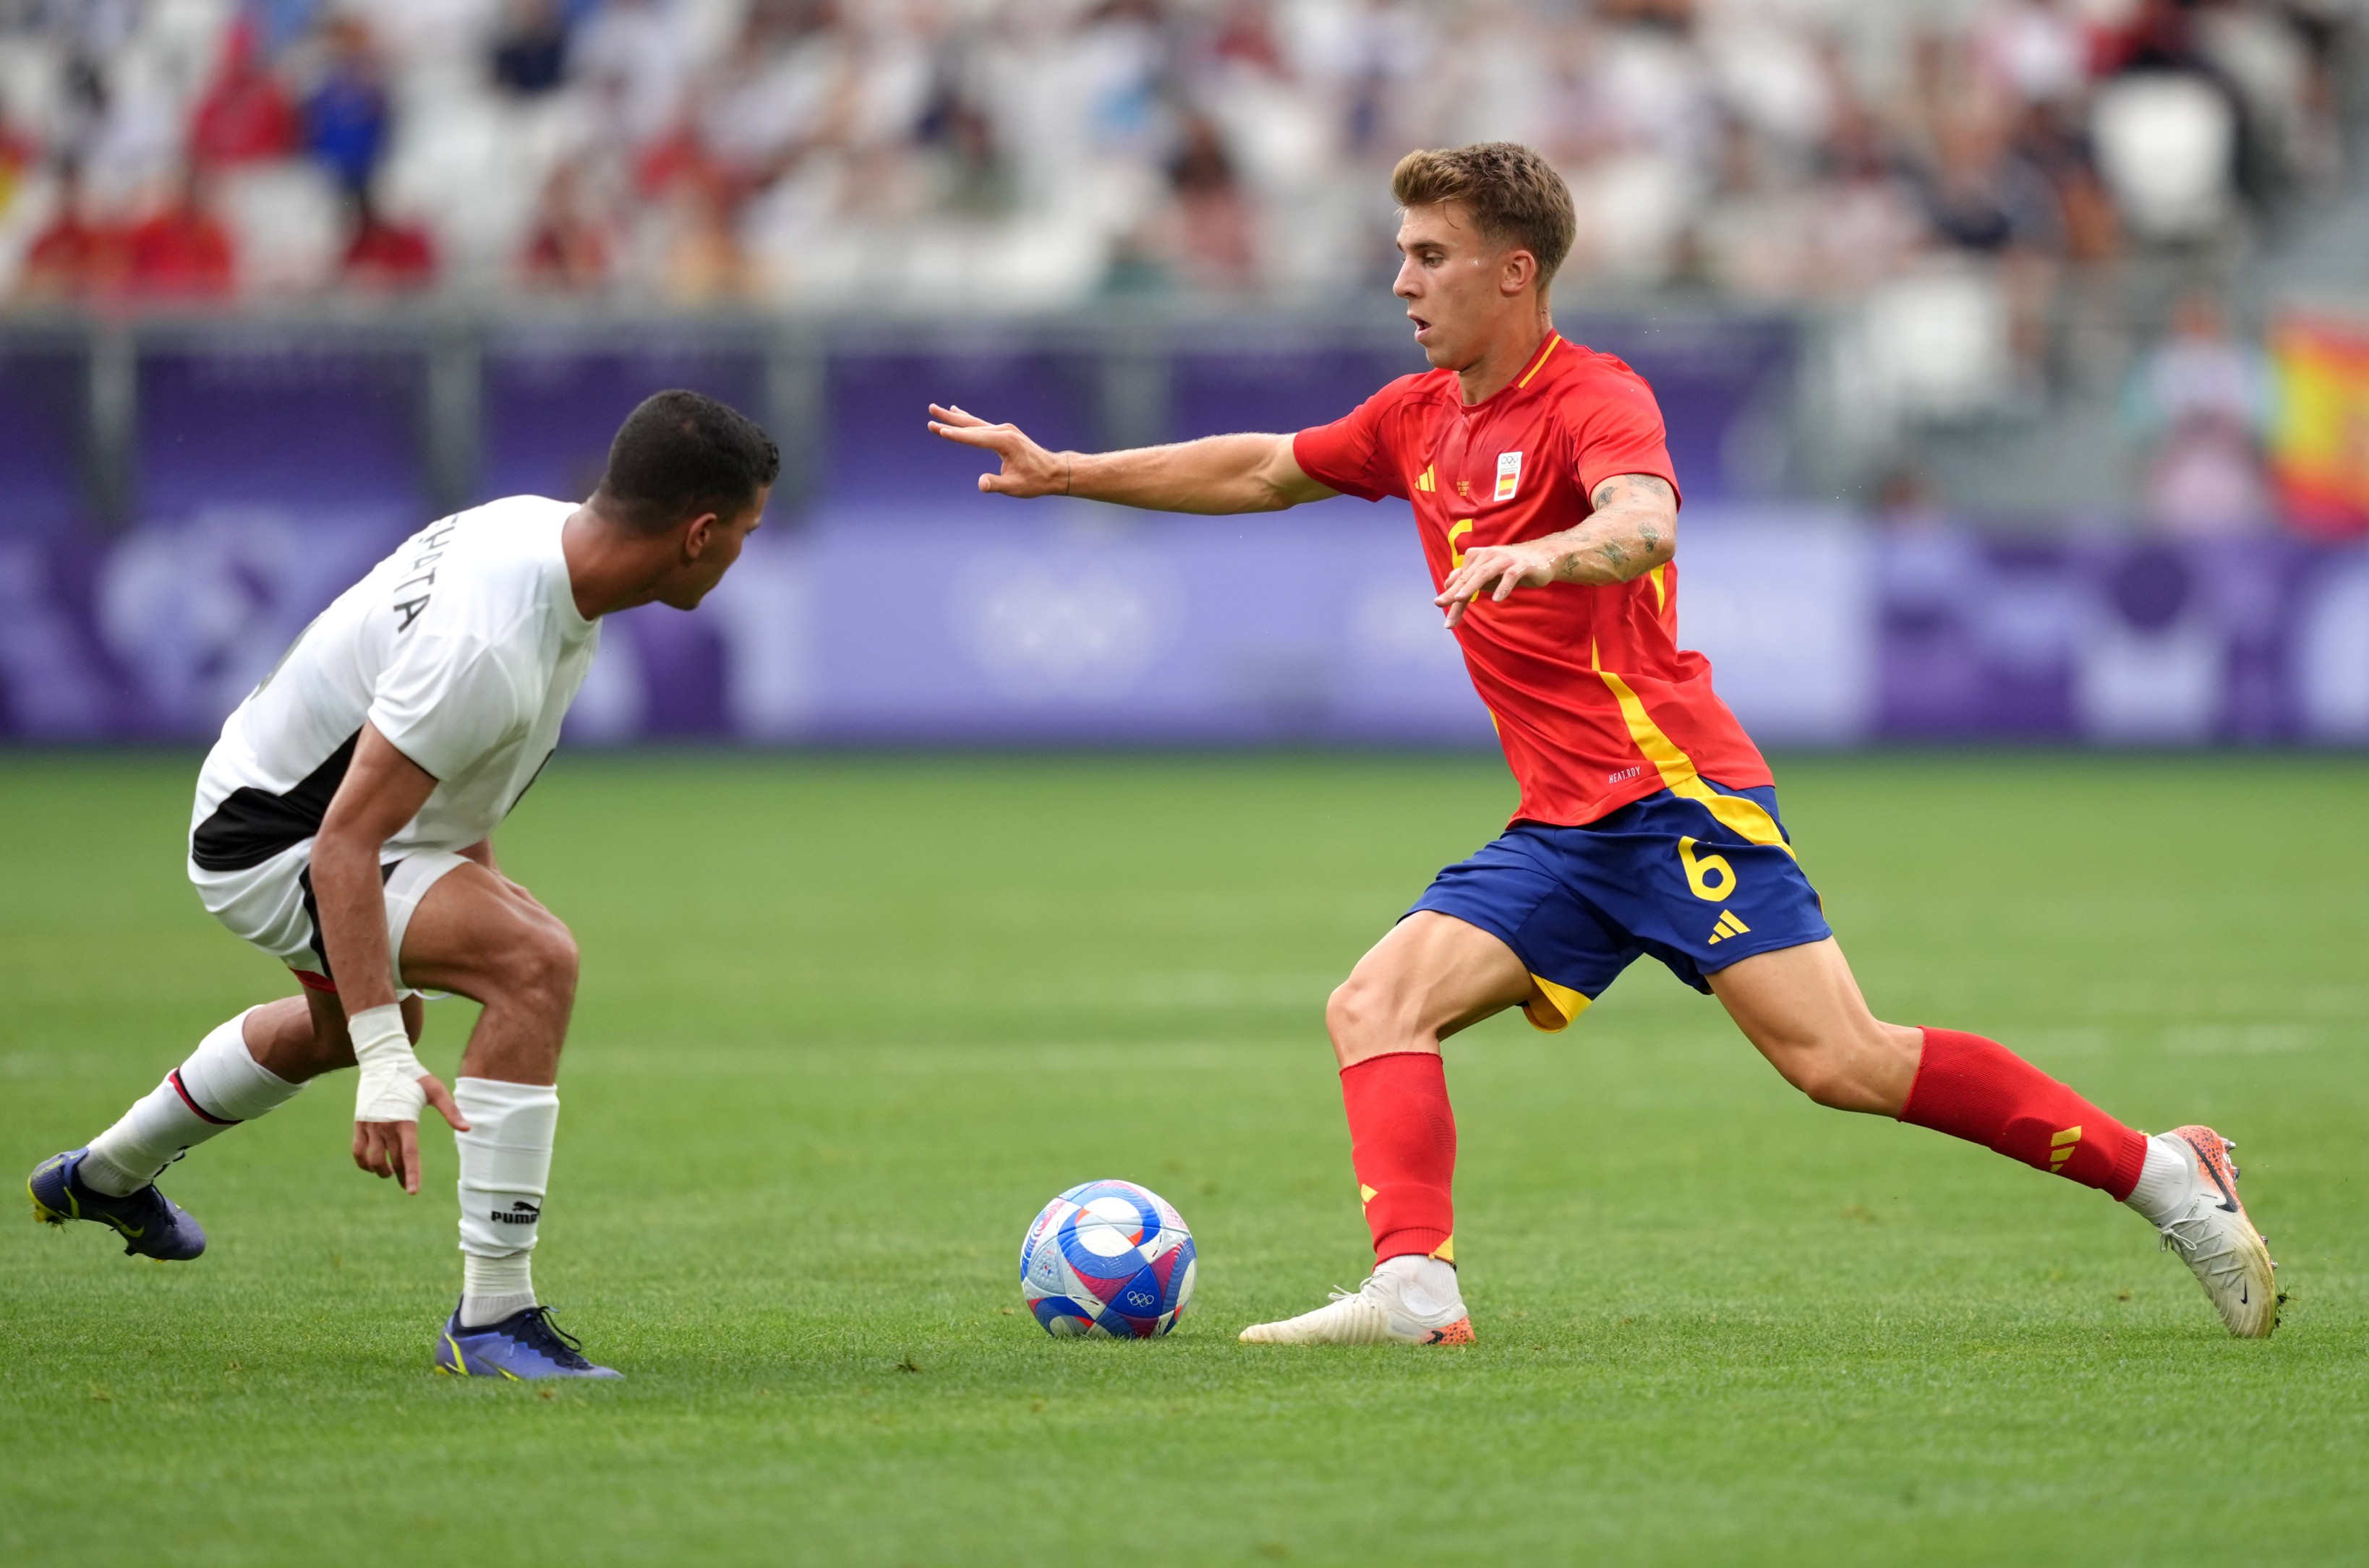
(1648, 824)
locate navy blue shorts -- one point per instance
(1699, 880)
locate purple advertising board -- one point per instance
(281, 424)
(875, 445)
(548, 405)
(981, 621)
(43, 397)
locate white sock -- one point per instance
(219, 1086)
(2167, 1182)
(504, 1169)
(1430, 1282)
(494, 1288)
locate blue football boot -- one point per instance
(151, 1224)
(523, 1346)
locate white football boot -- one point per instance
(2215, 1237)
(1390, 1308)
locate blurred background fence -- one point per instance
(2015, 353)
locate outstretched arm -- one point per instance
(1634, 530)
(1217, 473)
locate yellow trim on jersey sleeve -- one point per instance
(1661, 594)
(1740, 813)
(1552, 1008)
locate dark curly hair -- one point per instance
(680, 454)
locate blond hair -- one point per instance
(1512, 194)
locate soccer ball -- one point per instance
(1108, 1258)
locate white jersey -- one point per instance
(463, 648)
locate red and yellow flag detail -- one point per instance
(2319, 441)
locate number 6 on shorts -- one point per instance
(1708, 877)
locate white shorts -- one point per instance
(270, 907)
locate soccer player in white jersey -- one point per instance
(343, 826)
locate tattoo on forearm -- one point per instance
(1615, 542)
(1630, 487)
(1638, 544)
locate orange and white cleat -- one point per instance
(2215, 1237)
(1387, 1309)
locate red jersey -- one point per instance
(1593, 702)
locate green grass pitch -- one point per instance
(846, 1023)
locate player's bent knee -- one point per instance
(534, 964)
(1825, 1085)
(549, 964)
(298, 1039)
(1344, 1014)
(1841, 1079)
(1355, 1015)
(1346, 1005)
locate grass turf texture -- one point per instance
(846, 1024)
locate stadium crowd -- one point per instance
(1040, 153)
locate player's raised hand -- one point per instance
(1029, 469)
(390, 1149)
(1495, 570)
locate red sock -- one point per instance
(1979, 1090)
(1403, 1142)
